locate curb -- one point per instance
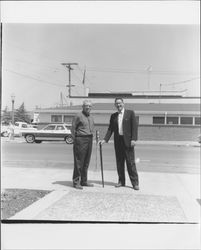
(39, 206)
(165, 143)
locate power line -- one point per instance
(25, 62)
(39, 55)
(107, 69)
(33, 78)
(37, 64)
(181, 82)
(140, 71)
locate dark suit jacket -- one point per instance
(130, 127)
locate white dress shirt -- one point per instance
(120, 121)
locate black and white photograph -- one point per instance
(100, 129)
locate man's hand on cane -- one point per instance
(101, 142)
(133, 143)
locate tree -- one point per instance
(22, 115)
(6, 116)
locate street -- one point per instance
(151, 158)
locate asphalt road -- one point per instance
(152, 158)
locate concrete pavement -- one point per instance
(173, 196)
(165, 198)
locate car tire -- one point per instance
(5, 134)
(38, 141)
(69, 139)
(30, 138)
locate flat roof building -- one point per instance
(159, 118)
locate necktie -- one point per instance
(120, 123)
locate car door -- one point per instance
(60, 132)
(17, 129)
(47, 133)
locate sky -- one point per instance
(117, 57)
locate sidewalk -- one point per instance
(163, 197)
(165, 210)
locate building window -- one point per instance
(172, 120)
(197, 120)
(158, 120)
(68, 119)
(56, 118)
(187, 120)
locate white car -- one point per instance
(21, 127)
(5, 130)
(51, 132)
(17, 129)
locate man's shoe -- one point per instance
(119, 185)
(87, 184)
(136, 187)
(78, 186)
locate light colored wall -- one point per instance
(145, 119)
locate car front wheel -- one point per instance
(5, 134)
(30, 138)
(69, 139)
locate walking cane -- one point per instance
(97, 140)
(101, 161)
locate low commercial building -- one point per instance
(159, 118)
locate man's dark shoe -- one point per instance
(136, 187)
(78, 186)
(87, 184)
(119, 185)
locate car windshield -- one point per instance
(68, 127)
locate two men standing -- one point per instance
(124, 126)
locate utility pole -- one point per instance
(13, 115)
(68, 66)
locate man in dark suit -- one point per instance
(125, 128)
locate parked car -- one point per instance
(4, 130)
(20, 127)
(17, 129)
(51, 132)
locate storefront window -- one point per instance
(187, 120)
(197, 120)
(158, 120)
(68, 119)
(56, 118)
(172, 120)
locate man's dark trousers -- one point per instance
(82, 149)
(127, 154)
